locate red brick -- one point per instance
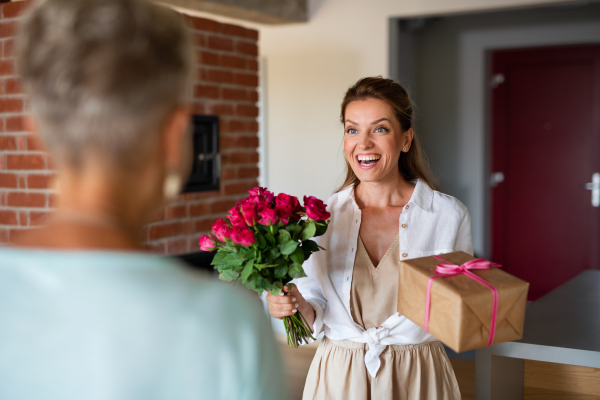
(21, 143)
(220, 43)
(209, 58)
(252, 34)
(203, 24)
(188, 227)
(238, 188)
(250, 49)
(254, 158)
(155, 248)
(197, 108)
(246, 79)
(247, 111)
(8, 181)
(252, 65)
(233, 62)
(23, 219)
(164, 230)
(219, 109)
(206, 91)
(35, 181)
(203, 225)
(22, 199)
(37, 218)
(215, 75)
(236, 158)
(8, 217)
(11, 105)
(237, 126)
(14, 124)
(25, 161)
(222, 206)
(14, 9)
(234, 30)
(34, 143)
(22, 182)
(200, 40)
(253, 96)
(177, 246)
(227, 142)
(9, 48)
(248, 142)
(198, 209)
(4, 235)
(253, 127)
(248, 172)
(235, 94)
(8, 29)
(177, 212)
(12, 86)
(8, 143)
(228, 173)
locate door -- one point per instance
(545, 123)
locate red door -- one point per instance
(545, 124)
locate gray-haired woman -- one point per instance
(85, 314)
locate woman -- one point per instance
(85, 313)
(386, 211)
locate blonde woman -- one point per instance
(86, 314)
(387, 210)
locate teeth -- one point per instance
(368, 158)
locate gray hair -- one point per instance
(103, 75)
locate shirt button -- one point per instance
(403, 225)
(404, 255)
(407, 206)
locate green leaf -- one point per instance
(247, 270)
(259, 266)
(270, 238)
(310, 245)
(260, 240)
(248, 253)
(284, 236)
(321, 228)
(296, 271)
(276, 287)
(228, 276)
(274, 253)
(234, 259)
(280, 271)
(289, 247)
(218, 258)
(309, 230)
(297, 256)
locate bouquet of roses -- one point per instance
(264, 244)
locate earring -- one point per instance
(404, 149)
(171, 186)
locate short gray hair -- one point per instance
(103, 75)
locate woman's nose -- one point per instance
(365, 141)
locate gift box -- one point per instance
(464, 302)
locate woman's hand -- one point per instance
(281, 305)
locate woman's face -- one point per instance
(373, 139)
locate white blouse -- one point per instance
(431, 223)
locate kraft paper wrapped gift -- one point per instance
(461, 307)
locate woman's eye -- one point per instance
(381, 129)
(351, 131)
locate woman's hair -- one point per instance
(412, 164)
(103, 75)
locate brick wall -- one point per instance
(225, 84)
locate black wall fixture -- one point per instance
(206, 165)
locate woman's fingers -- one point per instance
(282, 310)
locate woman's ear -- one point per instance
(177, 142)
(408, 138)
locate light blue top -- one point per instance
(126, 326)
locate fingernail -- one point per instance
(294, 299)
(296, 305)
(282, 294)
(294, 311)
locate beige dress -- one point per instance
(419, 371)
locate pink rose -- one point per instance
(290, 202)
(220, 229)
(242, 236)
(257, 191)
(206, 243)
(284, 213)
(259, 194)
(268, 216)
(236, 218)
(315, 209)
(249, 213)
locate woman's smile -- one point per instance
(368, 161)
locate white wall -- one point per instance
(311, 65)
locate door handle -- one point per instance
(594, 186)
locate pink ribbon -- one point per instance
(446, 270)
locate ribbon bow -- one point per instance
(447, 270)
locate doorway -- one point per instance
(545, 137)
